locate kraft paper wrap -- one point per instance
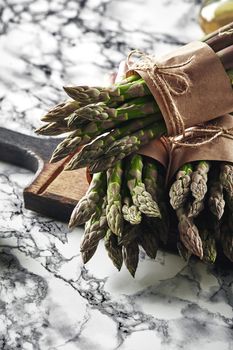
(199, 87)
(220, 149)
(157, 149)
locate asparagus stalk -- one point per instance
(148, 240)
(95, 228)
(199, 178)
(130, 212)
(226, 177)
(189, 234)
(116, 94)
(216, 200)
(61, 111)
(180, 189)
(227, 242)
(183, 251)
(127, 145)
(130, 234)
(87, 205)
(131, 256)
(78, 138)
(209, 246)
(198, 188)
(140, 197)
(114, 250)
(88, 254)
(134, 109)
(114, 201)
(155, 185)
(93, 151)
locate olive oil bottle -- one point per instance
(215, 14)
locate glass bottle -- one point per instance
(215, 14)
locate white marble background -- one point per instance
(48, 299)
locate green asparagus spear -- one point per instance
(61, 111)
(130, 234)
(130, 212)
(180, 189)
(134, 109)
(87, 205)
(116, 94)
(92, 151)
(189, 234)
(216, 200)
(131, 256)
(140, 197)
(226, 177)
(95, 228)
(199, 178)
(78, 138)
(114, 250)
(148, 240)
(127, 145)
(227, 241)
(209, 246)
(155, 186)
(183, 251)
(114, 201)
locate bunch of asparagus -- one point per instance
(202, 196)
(111, 123)
(125, 206)
(126, 203)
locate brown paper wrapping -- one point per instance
(158, 150)
(220, 149)
(209, 93)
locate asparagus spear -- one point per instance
(226, 177)
(189, 234)
(199, 178)
(148, 240)
(140, 197)
(216, 200)
(198, 188)
(183, 251)
(154, 185)
(134, 109)
(95, 228)
(131, 256)
(209, 246)
(114, 250)
(87, 205)
(116, 94)
(91, 152)
(130, 212)
(195, 207)
(61, 111)
(127, 145)
(88, 254)
(130, 234)
(114, 201)
(78, 138)
(227, 242)
(180, 189)
(54, 128)
(150, 175)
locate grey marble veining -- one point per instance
(48, 299)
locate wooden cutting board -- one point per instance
(53, 191)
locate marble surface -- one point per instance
(48, 299)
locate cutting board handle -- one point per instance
(25, 151)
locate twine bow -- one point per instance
(159, 75)
(204, 133)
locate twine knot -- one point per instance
(163, 77)
(206, 134)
